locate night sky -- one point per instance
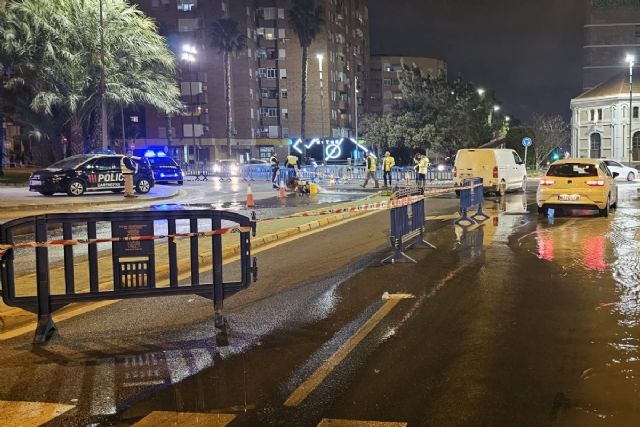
(528, 51)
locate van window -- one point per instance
(517, 158)
(573, 170)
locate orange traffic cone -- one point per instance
(281, 193)
(250, 202)
(332, 181)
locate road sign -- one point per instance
(526, 142)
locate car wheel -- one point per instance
(502, 190)
(631, 176)
(180, 182)
(143, 186)
(76, 188)
(542, 211)
(605, 212)
(46, 193)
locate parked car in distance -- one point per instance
(226, 166)
(578, 183)
(625, 173)
(258, 162)
(76, 175)
(501, 170)
(165, 169)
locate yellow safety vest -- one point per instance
(389, 162)
(372, 164)
(123, 165)
(292, 160)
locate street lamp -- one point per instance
(496, 108)
(320, 57)
(103, 86)
(631, 60)
(480, 91)
(189, 53)
(507, 118)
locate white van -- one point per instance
(501, 170)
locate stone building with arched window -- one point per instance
(600, 122)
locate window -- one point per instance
(613, 164)
(272, 73)
(285, 132)
(283, 73)
(599, 114)
(573, 170)
(186, 5)
(595, 146)
(284, 94)
(592, 115)
(285, 113)
(269, 112)
(635, 147)
(635, 112)
(387, 81)
(517, 158)
(186, 25)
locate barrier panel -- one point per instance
(132, 258)
(256, 172)
(471, 197)
(407, 216)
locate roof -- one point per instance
(582, 160)
(616, 85)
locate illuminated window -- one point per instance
(186, 5)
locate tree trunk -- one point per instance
(227, 98)
(76, 143)
(1, 146)
(303, 95)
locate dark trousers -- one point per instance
(274, 172)
(385, 175)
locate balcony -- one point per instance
(269, 102)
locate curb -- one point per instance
(90, 204)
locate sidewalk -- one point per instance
(268, 232)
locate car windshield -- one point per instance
(161, 161)
(573, 170)
(69, 162)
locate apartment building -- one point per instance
(611, 32)
(266, 78)
(383, 84)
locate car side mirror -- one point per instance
(615, 174)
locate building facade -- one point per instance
(383, 84)
(266, 78)
(600, 122)
(611, 32)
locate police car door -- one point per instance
(108, 172)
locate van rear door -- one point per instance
(472, 163)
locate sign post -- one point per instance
(526, 143)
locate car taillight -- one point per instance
(495, 171)
(596, 183)
(455, 172)
(547, 182)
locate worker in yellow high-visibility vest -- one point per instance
(388, 162)
(371, 170)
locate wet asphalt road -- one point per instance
(515, 323)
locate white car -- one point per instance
(625, 173)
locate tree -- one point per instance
(549, 133)
(226, 36)
(306, 19)
(54, 50)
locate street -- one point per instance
(515, 322)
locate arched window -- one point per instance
(595, 152)
(635, 147)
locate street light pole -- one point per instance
(103, 86)
(320, 57)
(630, 60)
(355, 96)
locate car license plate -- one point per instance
(569, 197)
(34, 182)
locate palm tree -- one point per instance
(230, 41)
(306, 18)
(53, 49)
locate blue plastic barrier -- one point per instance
(407, 224)
(471, 197)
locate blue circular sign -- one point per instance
(526, 142)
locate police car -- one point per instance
(89, 172)
(165, 169)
